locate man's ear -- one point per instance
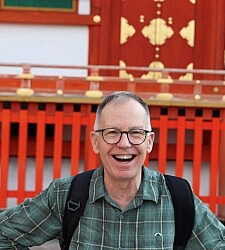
(94, 142)
(150, 140)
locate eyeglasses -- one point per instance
(113, 135)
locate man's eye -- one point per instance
(112, 133)
(136, 133)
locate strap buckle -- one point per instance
(73, 205)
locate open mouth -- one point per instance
(124, 158)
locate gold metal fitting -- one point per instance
(94, 78)
(164, 96)
(165, 80)
(26, 76)
(97, 19)
(197, 97)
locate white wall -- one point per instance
(43, 44)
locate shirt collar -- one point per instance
(150, 189)
(151, 184)
(97, 190)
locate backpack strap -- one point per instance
(75, 204)
(184, 209)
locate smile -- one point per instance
(124, 158)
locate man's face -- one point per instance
(123, 160)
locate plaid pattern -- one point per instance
(147, 223)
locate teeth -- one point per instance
(123, 157)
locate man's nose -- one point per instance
(124, 142)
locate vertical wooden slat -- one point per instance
(163, 135)
(221, 210)
(146, 163)
(5, 144)
(58, 143)
(180, 146)
(75, 142)
(91, 159)
(40, 149)
(22, 153)
(76, 5)
(197, 154)
(214, 162)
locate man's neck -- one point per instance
(122, 192)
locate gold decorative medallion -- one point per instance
(154, 74)
(157, 31)
(187, 76)
(126, 30)
(123, 73)
(188, 33)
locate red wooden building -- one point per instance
(169, 52)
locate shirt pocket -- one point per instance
(158, 241)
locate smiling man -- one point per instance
(122, 137)
(129, 205)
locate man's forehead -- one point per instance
(130, 103)
(123, 111)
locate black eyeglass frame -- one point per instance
(123, 132)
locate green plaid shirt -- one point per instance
(147, 223)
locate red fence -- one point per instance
(205, 127)
(185, 135)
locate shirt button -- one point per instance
(121, 216)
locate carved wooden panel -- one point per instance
(165, 34)
(157, 34)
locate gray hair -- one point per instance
(119, 97)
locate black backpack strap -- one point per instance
(75, 204)
(184, 209)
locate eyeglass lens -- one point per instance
(135, 136)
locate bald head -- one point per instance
(120, 97)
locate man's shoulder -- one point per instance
(59, 186)
(153, 176)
